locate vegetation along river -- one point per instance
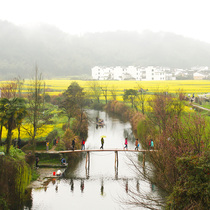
(102, 186)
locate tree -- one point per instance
(113, 91)
(96, 90)
(9, 90)
(177, 136)
(192, 189)
(74, 101)
(105, 91)
(13, 112)
(141, 98)
(19, 83)
(37, 117)
(130, 95)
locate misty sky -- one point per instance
(186, 17)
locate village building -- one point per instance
(132, 73)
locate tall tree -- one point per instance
(19, 83)
(104, 89)
(74, 101)
(141, 98)
(13, 112)
(8, 90)
(36, 111)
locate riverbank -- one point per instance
(44, 175)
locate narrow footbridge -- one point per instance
(88, 151)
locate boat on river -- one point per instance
(100, 122)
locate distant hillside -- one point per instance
(58, 54)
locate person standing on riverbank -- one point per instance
(102, 143)
(19, 143)
(54, 142)
(126, 143)
(47, 145)
(37, 161)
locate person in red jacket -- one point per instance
(83, 144)
(126, 143)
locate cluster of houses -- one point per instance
(148, 73)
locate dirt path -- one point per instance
(53, 148)
(200, 107)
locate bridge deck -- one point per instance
(94, 150)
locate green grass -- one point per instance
(15, 153)
(34, 175)
(206, 106)
(50, 161)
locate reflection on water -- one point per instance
(80, 184)
(101, 185)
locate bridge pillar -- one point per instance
(143, 159)
(87, 164)
(116, 159)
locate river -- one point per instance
(102, 186)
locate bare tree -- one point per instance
(36, 112)
(175, 135)
(113, 91)
(9, 90)
(141, 97)
(19, 83)
(104, 89)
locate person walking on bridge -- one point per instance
(137, 144)
(102, 143)
(73, 144)
(126, 143)
(83, 144)
(151, 144)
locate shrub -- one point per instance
(192, 190)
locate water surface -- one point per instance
(102, 186)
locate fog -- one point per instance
(59, 54)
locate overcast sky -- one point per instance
(186, 17)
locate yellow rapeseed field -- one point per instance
(188, 86)
(55, 87)
(46, 129)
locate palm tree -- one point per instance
(13, 112)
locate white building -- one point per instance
(130, 73)
(118, 73)
(198, 76)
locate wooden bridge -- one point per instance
(88, 151)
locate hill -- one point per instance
(58, 54)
